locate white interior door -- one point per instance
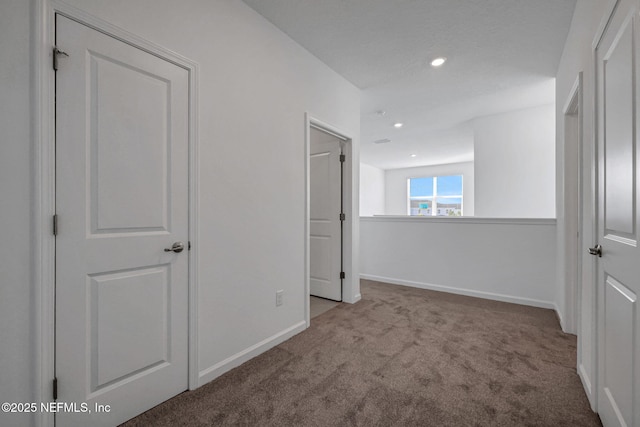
(619, 267)
(121, 199)
(325, 246)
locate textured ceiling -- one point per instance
(501, 55)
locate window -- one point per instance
(435, 196)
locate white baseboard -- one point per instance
(586, 384)
(560, 318)
(213, 372)
(354, 300)
(462, 291)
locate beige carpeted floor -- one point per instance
(405, 357)
(319, 306)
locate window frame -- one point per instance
(434, 198)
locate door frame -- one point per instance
(586, 221)
(350, 284)
(572, 212)
(43, 126)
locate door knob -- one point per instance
(596, 250)
(177, 247)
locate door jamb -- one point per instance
(350, 290)
(43, 125)
(584, 189)
(573, 212)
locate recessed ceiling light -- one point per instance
(413, 155)
(397, 125)
(438, 62)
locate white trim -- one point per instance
(44, 128)
(194, 220)
(460, 219)
(586, 384)
(593, 396)
(462, 291)
(44, 208)
(351, 225)
(572, 103)
(323, 128)
(560, 317)
(351, 282)
(604, 22)
(307, 219)
(239, 358)
(572, 218)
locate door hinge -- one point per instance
(342, 158)
(189, 246)
(342, 217)
(342, 275)
(55, 389)
(56, 53)
(55, 224)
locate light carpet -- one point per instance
(401, 357)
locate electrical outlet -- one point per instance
(279, 294)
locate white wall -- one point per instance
(372, 190)
(577, 58)
(495, 259)
(396, 185)
(17, 327)
(515, 164)
(255, 85)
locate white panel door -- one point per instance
(325, 248)
(619, 267)
(121, 198)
